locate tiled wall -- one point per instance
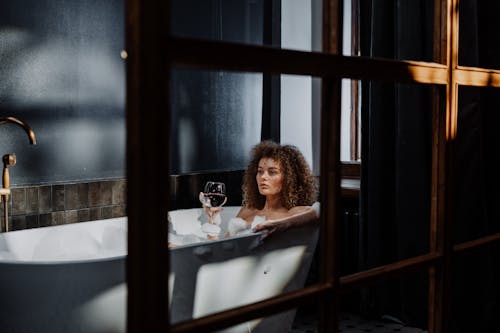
(46, 205)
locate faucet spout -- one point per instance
(10, 159)
(27, 129)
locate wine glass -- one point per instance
(213, 195)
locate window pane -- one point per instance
(476, 292)
(290, 24)
(217, 118)
(394, 214)
(478, 38)
(389, 29)
(393, 306)
(475, 164)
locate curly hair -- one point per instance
(299, 186)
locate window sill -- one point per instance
(350, 187)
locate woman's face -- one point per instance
(269, 176)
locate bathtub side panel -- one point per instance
(216, 276)
(43, 297)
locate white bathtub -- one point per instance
(48, 274)
(71, 278)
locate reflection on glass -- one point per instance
(394, 306)
(475, 166)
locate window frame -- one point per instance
(152, 52)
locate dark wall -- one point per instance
(62, 73)
(216, 116)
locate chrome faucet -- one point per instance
(10, 160)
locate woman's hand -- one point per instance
(300, 216)
(212, 212)
(272, 226)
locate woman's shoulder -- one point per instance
(312, 211)
(299, 209)
(246, 211)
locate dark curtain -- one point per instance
(396, 157)
(476, 295)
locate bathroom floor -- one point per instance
(351, 323)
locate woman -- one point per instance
(278, 190)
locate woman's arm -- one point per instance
(299, 216)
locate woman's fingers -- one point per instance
(270, 227)
(266, 232)
(207, 211)
(210, 211)
(216, 210)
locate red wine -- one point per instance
(215, 199)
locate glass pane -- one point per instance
(389, 29)
(394, 208)
(62, 74)
(290, 24)
(393, 306)
(478, 37)
(476, 292)
(218, 122)
(475, 164)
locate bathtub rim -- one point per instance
(60, 262)
(224, 239)
(45, 262)
(258, 235)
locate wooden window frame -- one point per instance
(152, 52)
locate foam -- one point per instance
(66, 245)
